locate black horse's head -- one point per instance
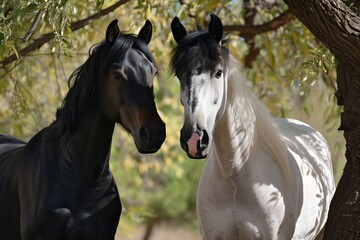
(127, 94)
(120, 72)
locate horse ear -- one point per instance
(146, 32)
(178, 30)
(215, 27)
(112, 32)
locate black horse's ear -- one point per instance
(178, 30)
(146, 32)
(215, 27)
(112, 32)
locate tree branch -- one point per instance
(33, 25)
(49, 36)
(250, 13)
(333, 23)
(272, 25)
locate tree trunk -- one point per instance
(333, 23)
(149, 230)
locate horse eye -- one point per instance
(218, 73)
(117, 75)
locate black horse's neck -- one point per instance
(88, 131)
(90, 144)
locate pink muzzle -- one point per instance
(192, 144)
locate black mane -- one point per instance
(83, 82)
(198, 48)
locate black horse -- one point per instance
(59, 185)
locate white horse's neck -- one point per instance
(233, 136)
(245, 125)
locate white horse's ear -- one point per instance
(177, 29)
(216, 28)
(112, 32)
(146, 32)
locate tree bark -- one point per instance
(333, 23)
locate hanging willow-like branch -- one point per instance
(37, 43)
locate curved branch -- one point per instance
(272, 25)
(333, 23)
(49, 36)
(33, 25)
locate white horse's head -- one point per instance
(199, 61)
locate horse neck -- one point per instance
(91, 142)
(245, 125)
(234, 132)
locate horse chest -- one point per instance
(238, 207)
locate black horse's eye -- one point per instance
(117, 75)
(218, 73)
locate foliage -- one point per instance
(20, 80)
(292, 72)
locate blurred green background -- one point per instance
(287, 68)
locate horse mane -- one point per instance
(83, 82)
(265, 130)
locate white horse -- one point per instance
(264, 178)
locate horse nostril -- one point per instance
(204, 140)
(145, 134)
(183, 141)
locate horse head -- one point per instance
(199, 62)
(126, 94)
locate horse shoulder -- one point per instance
(36, 164)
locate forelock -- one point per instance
(197, 49)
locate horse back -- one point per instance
(10, 139)
(307, 142)
(8, 143)
(9, 201)
(313, 180)
(8, 155)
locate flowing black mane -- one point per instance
(83, 82)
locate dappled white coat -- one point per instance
(259, 182)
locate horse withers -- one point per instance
(264, 178)
(59, 185)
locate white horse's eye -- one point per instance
(218, 73)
